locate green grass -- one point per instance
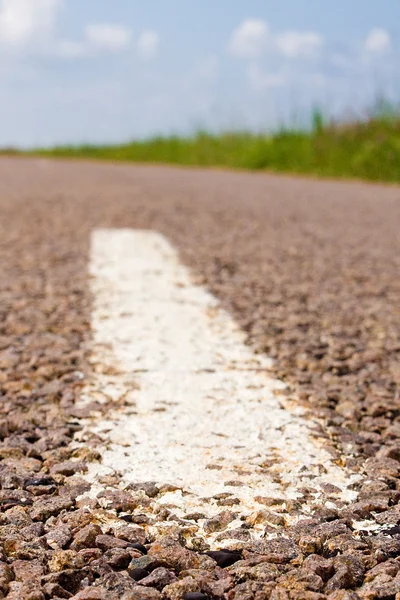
(368, 149)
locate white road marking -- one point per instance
(200, 410)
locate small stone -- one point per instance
(118, 558)
(106, 542)
(42, 490)
(138, 573)
(148, 563)
(54, 590)
(310, 544)
(86, 537)
(86, 454)
(178, 589)
(234, 483)
(176, 556)
(87, 555)
(344, 595)
(349, 573)
(168, 487)
(265, 516)
(123, 501)
(224, 558)
(389, 568)
(59, 537)
(149, 488)
(389, 517)
(117, 584)
(319, 565)
(91, 594)
(39, 481)
(228, 502)
(71, 580)
(196, 516)
(139, 547)
(19, 516)
(246, 569)
(277, 551)
(62, 560)
(159, 578)
(43, 509)
(6, 575)
(25, 591)
(28, 570)
(141, 593)
(138, 519)
(68, 468)
(89, 503)
(238, 533)
(269, 501)
(365, 508)
(133, 535)
(329, 488)
(219, 522)
(32, 532)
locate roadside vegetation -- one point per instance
(366, 148)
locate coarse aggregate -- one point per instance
(310, 271)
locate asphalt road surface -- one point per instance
(199, 378)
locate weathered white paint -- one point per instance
(200, 409)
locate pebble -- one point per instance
(224, 558)
(137, 573)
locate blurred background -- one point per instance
(97, 72)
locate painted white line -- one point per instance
(199, 410)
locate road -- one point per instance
(302, 277)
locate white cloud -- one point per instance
(259, 80)
(249, 39)
(147, 43)
(98, 37)
(31, 23)
(107, 37)
(295, 44)
(22, 21)
(71, 49)
(378, 40)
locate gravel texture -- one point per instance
(309, 269)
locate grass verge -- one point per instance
(367, 149)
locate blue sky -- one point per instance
(110, 70)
